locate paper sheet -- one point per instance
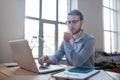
(102, 75)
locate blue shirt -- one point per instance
(78, 52)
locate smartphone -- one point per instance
(81, 69)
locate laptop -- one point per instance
(24, 58)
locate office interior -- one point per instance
(12, 14)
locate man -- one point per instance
(77, 47)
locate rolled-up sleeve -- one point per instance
(59, 54)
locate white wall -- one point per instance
(92, 11)
(11, 26)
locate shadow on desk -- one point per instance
(17, 73)
(5, 72)
(28, 77)
(20, 71)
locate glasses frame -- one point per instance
(72, 22)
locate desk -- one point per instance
(6, 72)
(117, 70)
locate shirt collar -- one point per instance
(82, 37)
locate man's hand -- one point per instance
(67, 36)
(44, 60)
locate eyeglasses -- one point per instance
(74, 21)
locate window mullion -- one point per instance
(56, 26)
(40, 31)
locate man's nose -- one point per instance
(71, 25)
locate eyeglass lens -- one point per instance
(74, 21)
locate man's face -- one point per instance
(74, 23)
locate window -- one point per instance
(45, 24)
(110, 26)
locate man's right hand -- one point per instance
(67, 36)
(44, 60)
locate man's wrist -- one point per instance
(50, 61)
(66, 41)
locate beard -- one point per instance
(75, 31)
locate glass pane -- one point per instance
(106, 17)
(114, 42)
(113, 4)
(49, 39)
(31, 34)
(106, 3)
(107, 42)
(113, 21)
(49, 9)
(62, 7)
(32, 8)
(61, 29)
(118, 44)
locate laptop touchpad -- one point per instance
(42, 67)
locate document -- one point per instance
(102, 75)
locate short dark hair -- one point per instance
(76, 12)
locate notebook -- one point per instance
(79, 73)
(23, 55)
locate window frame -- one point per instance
(42, 21)
(111, 31)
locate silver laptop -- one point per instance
(23, 55)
